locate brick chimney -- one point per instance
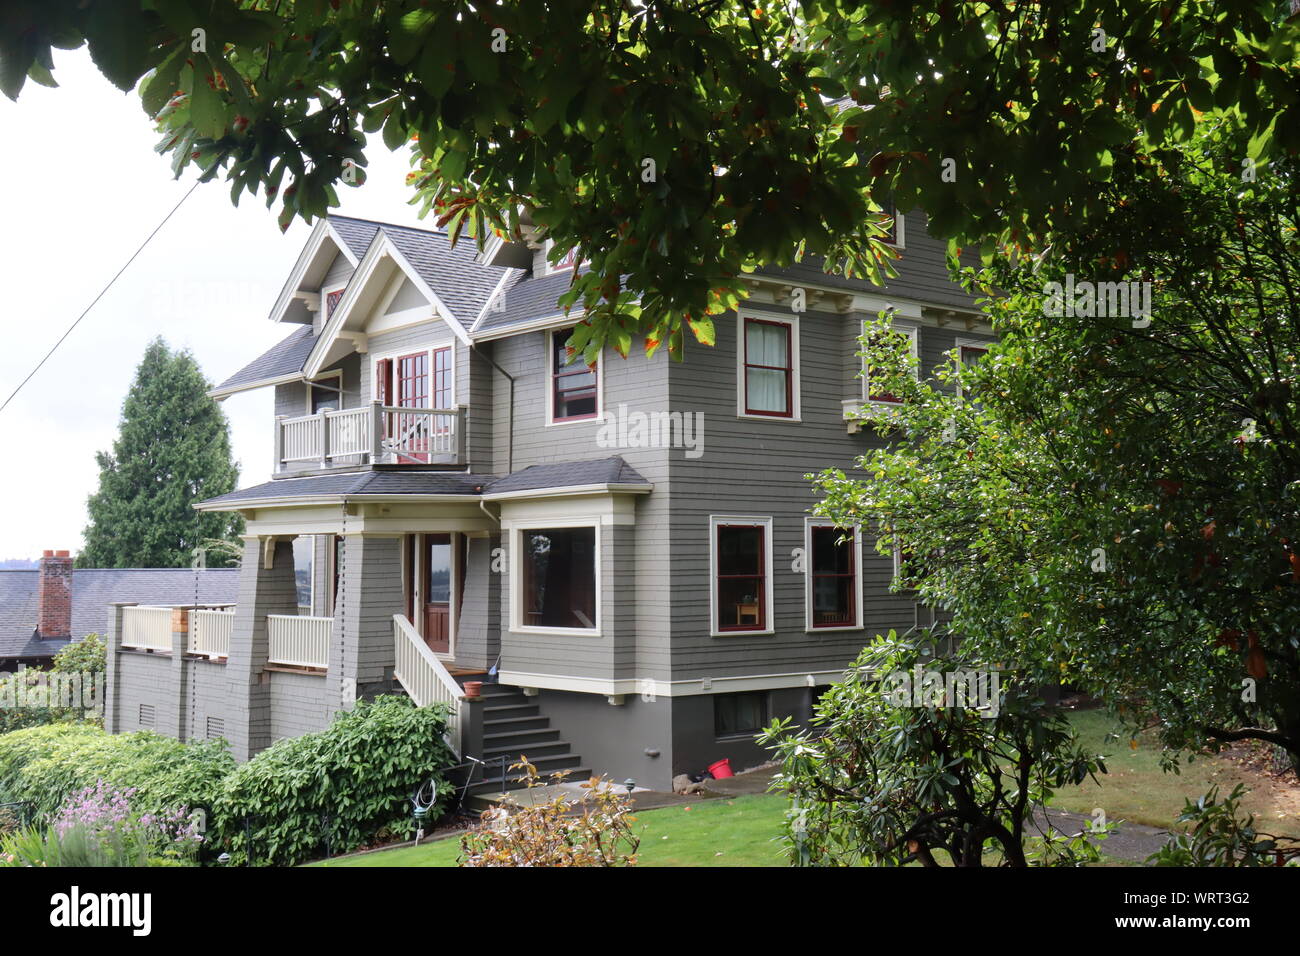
(54, 596)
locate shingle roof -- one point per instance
(357, 233)
(286, 358)
(460, 282)
(93, 589)
(564, 474)
(525, 298)
(561, 474)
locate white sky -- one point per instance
(80, 189)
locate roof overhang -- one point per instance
(364, 291)
(609, 488)
(220, 393)
(308, 273)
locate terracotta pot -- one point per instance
(473, 687)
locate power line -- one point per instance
(98, 297)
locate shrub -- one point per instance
(347, 784)
(86, 657)
(46, 765)
(596, 832)
(1223, 835)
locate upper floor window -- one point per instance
(332, 299)
(769, 370)
(741, 559)
(556, 580)
(895, 234)
(969, 354)
(567, 262)
(833, 572)
(874, 392)
(575, 386)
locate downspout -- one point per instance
(510, 420)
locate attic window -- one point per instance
(331, 300)
(568, 262)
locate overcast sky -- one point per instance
(80, 189)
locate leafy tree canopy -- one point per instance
(172, 450)
(679, 143)
(1115, 502)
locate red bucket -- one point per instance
(721, 769)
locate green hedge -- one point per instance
(44, 765)
(358, 775)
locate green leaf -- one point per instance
(160, 87)
(207, 109)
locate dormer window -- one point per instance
(567, 263)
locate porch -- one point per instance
(372, 434)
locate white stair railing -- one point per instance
(298, 641)
(425, 678)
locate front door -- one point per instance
(437, 592)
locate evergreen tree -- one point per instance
(172, 450)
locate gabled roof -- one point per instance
(93, 589)
(282, 363)
(612, 474)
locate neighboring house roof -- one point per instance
(283, 362)
(383, 483)
(93, 589)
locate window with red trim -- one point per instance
(769, 368)
(573, 383)
(442, 395)
(874, 394)
(834, 577)
(741, 584)
(331, 300)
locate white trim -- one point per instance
(549, 421)
(963, 342)
(792, 321)
(220, 393)
(428, 350)
(293, 284)
(900, 220)
(570, 490)
(514, 561)
(808, 524)
(697, 687)
(495, 294)
(913, 332)
(380, 247)
(332, 373)
(715, 522)
(554, 321)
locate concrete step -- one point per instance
(493, 712)
(520, 738)
(513, 752)
(510, 724)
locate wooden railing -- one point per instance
(298, 641)
(382, 433)
(424, 677)
(210, 632)
(147, 628)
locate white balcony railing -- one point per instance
(210, 632)
(382, 433)
(298, 641)
(147, 628)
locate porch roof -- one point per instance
(613, 474)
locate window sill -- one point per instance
(717, 633)
(768, 418)
(562, 631)
(837, 627)
(573, 421)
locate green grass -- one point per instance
(1137, 790)
(739, 831)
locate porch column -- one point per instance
(361, 640)
(478, 629)
(112, 681)
(266, 586)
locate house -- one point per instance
(624, 553)
(44, 610)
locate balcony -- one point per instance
(374, 434)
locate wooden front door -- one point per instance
(438, 569)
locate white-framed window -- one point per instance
(876, 395)
(555, 576)
(740, 575)
(574, 391)
(897, 234)
(832, 576)
(566, 264)
(325, 392)
(767, 366)
(329, 298)
(970, 351)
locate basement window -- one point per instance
(739, 715)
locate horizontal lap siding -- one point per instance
(756, 467)
(300, 704)
(635, 585)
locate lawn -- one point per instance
(737, 831)
(1136, 789)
